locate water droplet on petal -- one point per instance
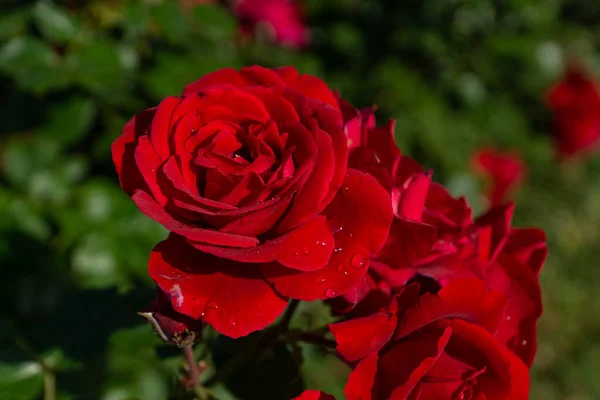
(322, 243)
(305, 251)
(296, 254)
(233, 323)
(202, 314)
(508, 317)
(329, 293)
(338, 249)
(358, 261)
(211, 306)
(523, 342)
(346, 188)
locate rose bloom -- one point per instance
(431, 346)
(504, 170)
(248, 170)
(575, 105)
(282, 20)
(434, 239)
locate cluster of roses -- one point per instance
(274, 188)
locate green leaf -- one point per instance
(21, 381)
(215, 21)
(14, 23)
(33, 64)
(69, 121)
(54, 22)
(98, 66)
(172, 23)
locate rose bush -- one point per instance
(248, 170)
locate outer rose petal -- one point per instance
(314, 395)
(225, 75)
(499, 219)
(406, 363)
(230, 296)
(308, 85)
(359, 337)
(464, 298)
(360, 216)
(362, 379)
(505, 377)
(306, 248)
(521, 286)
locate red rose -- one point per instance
(575, 104)
(433, 346)
(250, 168)
(314, 395)
(505, 171)
(282, 20)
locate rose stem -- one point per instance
(194, 373)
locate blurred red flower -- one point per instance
(575, 105)
(281, 19)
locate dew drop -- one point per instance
(202, 314)
(233, 323)
(508, 317)
(305, 251)
(322, 243)
(329, 293)
(523, 342)
(296, 254)
(211, 306)
(346, 188)
(256, 251)
(338, 249)
(358, 261)
(321, 281)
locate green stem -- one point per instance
(194, 372)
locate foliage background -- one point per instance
(455, 74)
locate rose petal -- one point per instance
(222, 76)
(406, 362)
(308, 85)
(212, 289)
(357, 338)
(314, 395)
(161, 127)
(151, 208)
(362, 380)
(521, 286)
(306, 248)
(465, 298)
(360, 224)
(499, 218)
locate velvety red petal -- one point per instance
(464, 298)
(257, 75)
(308, 200)
(314, 395)
(222, 76)
(360, 217)
(412, 201)
(357, 338)
(306, 248)
(308, 85)
(407, 243)
(499, 219)
(361, 381)
(160, 132)
(505, 376)
(152, 209)
(123, 152)
(521, 286)
(148, 163)
(403, 365)
(230, 296)
(528, 246)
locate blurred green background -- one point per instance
(455, 74)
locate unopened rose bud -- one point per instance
(171, 326)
